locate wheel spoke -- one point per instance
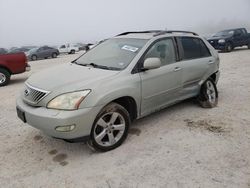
(100, 136)
(111, 138)
(113, 117)
(101, 123)
(119, 127)
(209, 97)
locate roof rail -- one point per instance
(137, 32)
(174, 31)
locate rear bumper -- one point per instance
(27, 68)
(47, 120)
(217, 76)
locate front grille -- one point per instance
(34, 95)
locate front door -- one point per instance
(161, 86)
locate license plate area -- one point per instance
(21, 115)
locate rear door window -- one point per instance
(193, 48)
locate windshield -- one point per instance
(32, 50)
(224, 33)
(114, 53)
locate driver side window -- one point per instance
(164, 50)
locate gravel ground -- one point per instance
(181, 146)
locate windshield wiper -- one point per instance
(97, 66)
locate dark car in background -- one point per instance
(229, 39)
(43, 52)
(3, 51)
(18, 50)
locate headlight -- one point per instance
(68, 101)
(221, 41)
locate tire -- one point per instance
(228, 47)
(248, 45)
(72, 52)
(110, 127)
(33, 57)
(208, 97)
(4, 77)
(54, 55)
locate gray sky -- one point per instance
(28, 22)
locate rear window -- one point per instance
(193, 48)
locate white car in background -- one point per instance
(68, 48)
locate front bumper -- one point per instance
(48, 119)
(217, 45)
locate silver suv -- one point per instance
(98, 95)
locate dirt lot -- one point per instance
(182, 146)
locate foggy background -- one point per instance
(53, 22)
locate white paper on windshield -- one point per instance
(130, 48)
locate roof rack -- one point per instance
(174, 31)
(138, 32)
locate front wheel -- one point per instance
(54, 55)
(4, 77)
(110, 127)
(228, 47)
(33, 57)
(208, 97)
(248, 45)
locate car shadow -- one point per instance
(234, 50)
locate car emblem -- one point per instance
(26, 92)
(212, 41)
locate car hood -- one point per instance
(69, 77)
(219, 37)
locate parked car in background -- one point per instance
(3, 51)
(68, 48)
(227, 40)
(42, 53)
(12, 64)
(17, 50)
(121, 79)
(82, 46)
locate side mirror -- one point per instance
(151, 63)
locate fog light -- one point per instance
(66, 128)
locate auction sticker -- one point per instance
(130, 48)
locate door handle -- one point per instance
(177, 69)
(210, 62)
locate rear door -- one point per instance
(197, 63)
(161, 86)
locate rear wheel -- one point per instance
(4, 77)
(33, 57)
(208, 97)
(110, 127)
(248, 45)
(72, 52)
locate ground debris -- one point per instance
(207, 125)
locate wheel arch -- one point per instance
(129, 104)
(3, 67)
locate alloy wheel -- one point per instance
(109, 129)
(2, 78)
(211, 92)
